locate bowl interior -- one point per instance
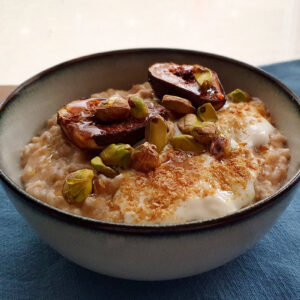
(45, 93)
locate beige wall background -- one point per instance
(35, 35)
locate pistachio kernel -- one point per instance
(78, 186)
(156, 132)
(117, 155)
(99, 166)
(186, 143)
(205, 132)
(139, 109)
(113, 109)
(187, 123)
(207, 113)
(170, 129)
(178, 105)
(204, 78)
(145, 158)
(238, 95)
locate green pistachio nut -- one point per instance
(139, 109)
(145, 158)
(238, 95)
(205, 132)
(170, 129)
(156, 132)
(187, 123)
(204, 78)
(99, 166)
(117, 155)
(178, 105)
(113, 109)
(207, 113)
(78, 186)
(186, 143)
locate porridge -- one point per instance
(171, 150)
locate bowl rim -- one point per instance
(237, 216)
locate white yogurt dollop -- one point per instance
(219, 204)
(257, 134)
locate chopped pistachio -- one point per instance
(156, 132)
(238, 95)
(78, 186)
(117, 155)
(170, 129)
(186, 143)
(187, 123)
(207, 113)
(145, 158)
(99, 166)
(113, 109)
(178, 105)
(220, 147)
(204, 78)
(139, 109)
(205, 132)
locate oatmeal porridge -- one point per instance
(172, 150)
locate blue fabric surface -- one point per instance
(29, 269)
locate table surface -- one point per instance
(37, 34)
(5, 90)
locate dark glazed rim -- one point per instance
(148, 229)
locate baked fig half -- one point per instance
(194, 82)
(78, 121)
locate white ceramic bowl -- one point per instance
(130, 251)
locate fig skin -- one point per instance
(178, 80)
(78, 122)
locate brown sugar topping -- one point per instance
(157, 194)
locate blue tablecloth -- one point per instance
(29, 269)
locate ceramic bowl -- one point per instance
(131, 251)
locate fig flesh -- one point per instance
(78, 121)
